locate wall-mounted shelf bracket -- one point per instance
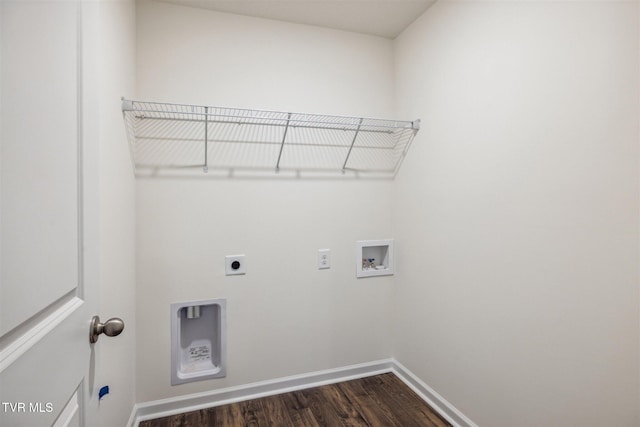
(284, 138)
(344, 165)
(205, 168)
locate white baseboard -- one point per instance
(193, 402)
(197, 401)
(429, 395)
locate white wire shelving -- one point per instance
(179, 137)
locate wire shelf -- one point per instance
(182, 137)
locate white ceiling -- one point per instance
(384, 18)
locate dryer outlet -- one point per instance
(235, 264)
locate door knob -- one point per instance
(111, 328)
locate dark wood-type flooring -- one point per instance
(378, 401)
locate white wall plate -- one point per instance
(234, 265)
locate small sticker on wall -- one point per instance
(199, 352)
(103, 392)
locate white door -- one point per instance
(48, 216)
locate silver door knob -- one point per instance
(111, 328)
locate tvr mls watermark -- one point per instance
(25, 407)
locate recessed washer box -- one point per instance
(374, 258)
(198, 340)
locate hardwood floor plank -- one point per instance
(383, 404)
(195, 419)
(296, 406)
(394, 393)
(323, 413)
(343, 406)
(406, 394)
(158, 422)
(276, 412)
(377, 401)
(254, 413)
(368, 406)
(227, 416)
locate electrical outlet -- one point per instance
(324, 258)
(235, 264)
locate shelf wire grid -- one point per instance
(176, 136)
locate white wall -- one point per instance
(516, 211)
(116, 56)
(285, 317)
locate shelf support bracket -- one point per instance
(344, 165)
(284, 137)
(205, 167)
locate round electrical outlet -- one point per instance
(235, 264)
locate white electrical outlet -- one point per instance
(235, 264)
(324, 258)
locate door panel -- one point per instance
(39, 165)
(48, 215)
(70, 414)
(43, 378)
